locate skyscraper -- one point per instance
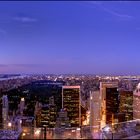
(95, 101)
(0, 111)
(0, 107)
(71, 101)
(136, 103)
(5, 108)
(22, 105)
(109, 102)
(46, 114)
(126, 104)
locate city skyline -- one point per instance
(70, 37)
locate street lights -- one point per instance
(37, 133)
(9, 125)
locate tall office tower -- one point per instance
(136, 103)
(45, 115)
(95, 103)
(83, 115)
(0, 112)
(38, 107)
(52, 111)
(109, 102)
(22, 105)
(37, 113)
(71, 101)
(126, 104)
(0, 107)
(5, 108)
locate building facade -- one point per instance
(109, 102)
(95, 100)
(126, 104)
(136, 103)
(71, 101)
(46, 114)
(5, 109)
(22, 105)
(0, 111)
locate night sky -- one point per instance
(70, 37)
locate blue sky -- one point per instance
(70, 37)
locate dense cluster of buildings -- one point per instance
(64, 104)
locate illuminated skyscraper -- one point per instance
(5, 108)
(126, 104)
(46, 114)
(0, 111)
(71, 101)
(95, 101)
(136, 103)
(22, 105)
(109, 102)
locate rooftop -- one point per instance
(137, 91)
(69, 87)
(122, 130)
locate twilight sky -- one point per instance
(70, 37)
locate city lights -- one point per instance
(70, 70)
(93, 113)
(22, 99)
(72, 130)
(23, 134)
(107, 129)
(9, 124)
(37, 132)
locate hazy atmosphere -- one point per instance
(70, 37)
